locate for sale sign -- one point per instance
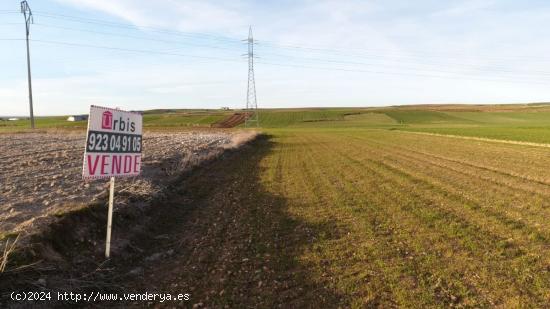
(113, 143)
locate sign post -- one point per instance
(113, 149)
(110, 217)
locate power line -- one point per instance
(226, 43)
(286, 56)
(400, 66)
(133, 37)
(424, 61)
(399, 74)
(217, 47)
(431, 54)
(291, 57)
(193, 35)
(133, 50)
(134, 27)
(311, 48)
(224, 38)
(281, 64)
(306, 58)
(361, 51)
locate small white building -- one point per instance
(13, 119)
(77, 118)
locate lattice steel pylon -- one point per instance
(251, 101)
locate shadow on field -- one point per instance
(226, 241)
(217, 235)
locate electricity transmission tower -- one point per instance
(26, 10)
(251, 103)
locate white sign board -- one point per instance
(113, 143)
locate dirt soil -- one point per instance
(232, 120)
(40, 173)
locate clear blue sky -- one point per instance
(138, 54)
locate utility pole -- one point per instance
(26, 10)
(251, 103)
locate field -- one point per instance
(41, 172)
(152, 119)
(412, 207)
(417, 221)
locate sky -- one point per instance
(139, 54)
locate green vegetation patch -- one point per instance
(421, 116)
(41, 123)
(283, 118)
(525, 134)
(181, 119)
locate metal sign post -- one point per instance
(113, 149)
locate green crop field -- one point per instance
(391, 218)
(529, 123)
(152, 119)
(416, 221)
(397, 219)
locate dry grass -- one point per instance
(9, 248)
(241, 137)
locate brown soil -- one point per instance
(40, 173)
(231, 121)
